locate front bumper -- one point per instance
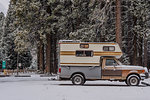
(144, 76)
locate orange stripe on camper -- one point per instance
(82, 63)
(95, 53)
(107, 53)
(89, 43)
(67, 53)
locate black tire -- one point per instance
(78, 79)
(133, 80)
(126, 82)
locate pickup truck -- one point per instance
(109, 69)
(84, 61)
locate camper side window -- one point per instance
(109, 48)
(84, 53)
(84, 45)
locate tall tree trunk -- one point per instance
(145, 52)
(55, 55)
(130, 44)
(48, 52)
(135, 43)
(43, 57)
(135, 51)
(40, 56)
(140, 52)
(118, 23)
(52, 53)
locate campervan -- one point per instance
(83, 61)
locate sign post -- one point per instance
(3, 64)
(4, 67)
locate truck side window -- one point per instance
(82, 53)
(110, 62)
(108, 48)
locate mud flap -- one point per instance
(144, 83)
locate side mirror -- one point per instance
(115, 64)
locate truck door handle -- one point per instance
(92, 67)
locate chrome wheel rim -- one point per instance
(77, 80)
(133, 81)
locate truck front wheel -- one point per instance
(78, 79)
(133, 80)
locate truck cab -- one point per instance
(83, 61)
(113, 69)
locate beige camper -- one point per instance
(82, 61)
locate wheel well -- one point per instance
(77, 73)
(133, 74)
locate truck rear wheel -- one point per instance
(133, 80)
(78, 79)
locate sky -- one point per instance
(4, 6)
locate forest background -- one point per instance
(31, 30)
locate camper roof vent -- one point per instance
(69, 41)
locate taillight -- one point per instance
(59, 70)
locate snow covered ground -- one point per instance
(40, 88)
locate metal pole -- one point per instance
(17, 64)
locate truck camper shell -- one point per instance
(76, 53)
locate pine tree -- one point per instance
(8, 41)
(44, 22)
(134, 17)
(1, 33)
(82, 20)
(30, 26)
(140, 11)
(8, 38)
(1, 24)
(39, 19)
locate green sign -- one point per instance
(3, 64)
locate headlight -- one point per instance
(146, 70)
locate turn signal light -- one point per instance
(143, 71)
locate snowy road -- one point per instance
(36, 88)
